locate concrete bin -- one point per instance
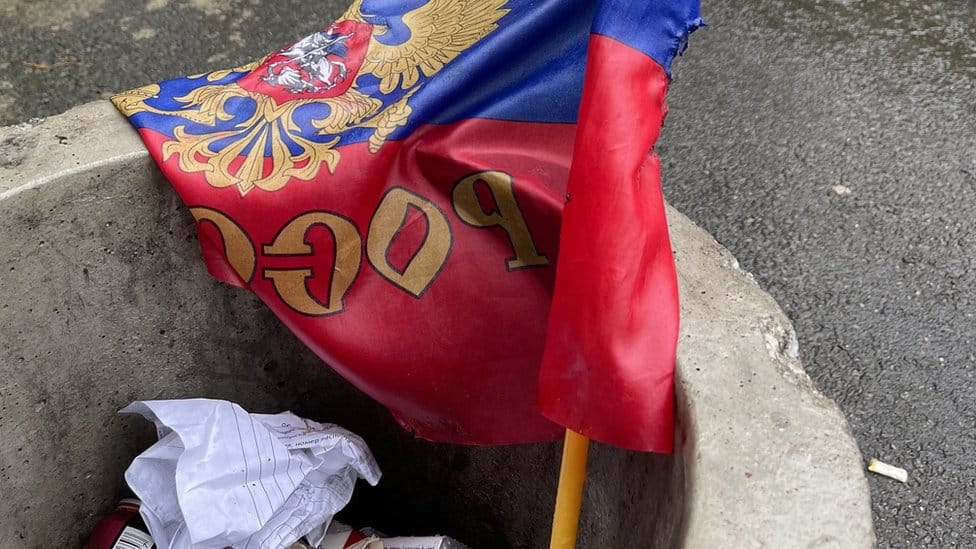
(104, 300)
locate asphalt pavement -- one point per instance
(830, 145)
(832, 148)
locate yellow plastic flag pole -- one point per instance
(569, 494)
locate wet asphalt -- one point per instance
(832, 148)
(830, 145)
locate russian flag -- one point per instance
(454, 203)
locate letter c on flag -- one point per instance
(292, 284)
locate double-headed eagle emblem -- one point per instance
(359, 73)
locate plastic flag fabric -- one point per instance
(455, 204)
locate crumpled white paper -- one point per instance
(221, 477)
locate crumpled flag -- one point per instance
(455, 204)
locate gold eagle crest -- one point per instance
(270, 147)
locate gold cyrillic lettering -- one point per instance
(292, 284)
(237, 246)
(506, 215)
(429, 258)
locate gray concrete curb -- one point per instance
(104, 300)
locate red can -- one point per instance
(123, 528)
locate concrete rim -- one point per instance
(768, 460)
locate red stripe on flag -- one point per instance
(608, 365)
(459, 362)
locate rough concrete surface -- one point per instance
(105, 300)
(830, 145)
(759, 437)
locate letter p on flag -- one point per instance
(480, 175)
